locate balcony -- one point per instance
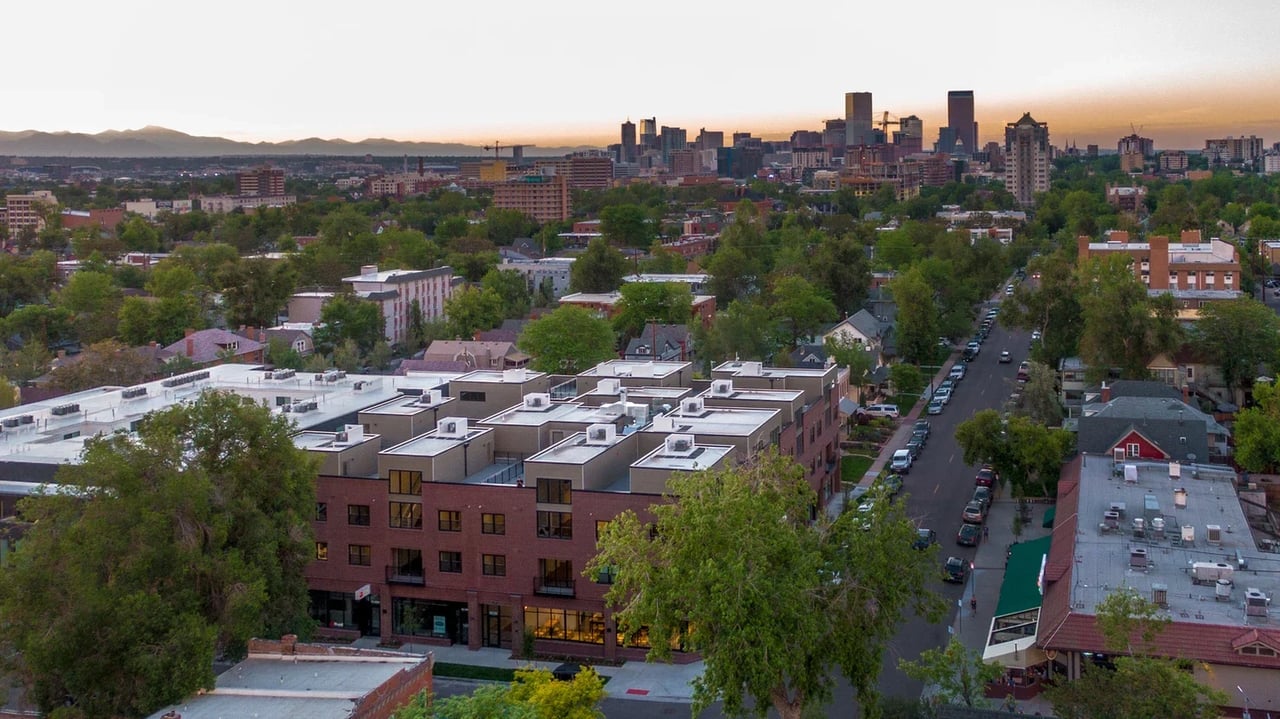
(552, 587)
(405, 575)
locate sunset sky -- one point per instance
(569, 71)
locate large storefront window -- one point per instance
(640, 638)
(424, 618)
(565, 625)
(331, 609)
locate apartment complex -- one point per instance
(1027, 156)
(1233, 150)
(583, 172)
(545, 198)
(397, 291)
(1190, 264)
(262, 181)
(27, 212)
(474, 528)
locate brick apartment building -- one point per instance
(27, 211)
(1188, 265)
(476, 530)
(260, 182)
(396, 291)
(545, 198)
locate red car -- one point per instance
(986, 477)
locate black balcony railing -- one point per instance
(405, 575)
(548, 586)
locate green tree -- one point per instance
(735, 268)
(667, 303)
(746, 330)
(10, 395)
(1257, 430)
(958, 674)
(599, 269)
(736, 568)
(917, 322)
(569, 340)
(25, 363)
(626, 226)
(471, 309)
(1050, 305)
(1240, 336)
(907, 379)
(1123, 328)
(452, 227)
(503, 226)
(535, 694)
(255, 290)
(106, 363)
(95, 300)
(513, 288)
(853, 355)
(139, 235)
(1040, 396)
(839, 266)
(1026, 454)
(163, 549)
(347, 317)
(800, 307)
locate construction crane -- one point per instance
(517, 151)
(885, 122)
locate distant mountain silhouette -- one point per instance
(162, 142)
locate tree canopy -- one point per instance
(599, 269)
(569, 340)
(734, 565)
(1240, 337)
(157, 552)
(535, 694)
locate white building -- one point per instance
(395, 291)
(556, 270)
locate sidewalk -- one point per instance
(644, 681)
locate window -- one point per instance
(407, 562)
(556, 572)
(322, 511)
(451, 562)
(359, 555)
(449, 520)
(607, 575)
(565, 624)
(358, 514)
(466, 396)
(493, 523)
(1132, 449)
(495, 565)
(1191, 373)
(405, 482)
(555, 491)
(322, 551)
(555, 525)
(406, 515)
(600, 525)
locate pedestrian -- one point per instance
(973, 605)
(986, 531)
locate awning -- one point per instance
(1019, 654)
(848, 406)
(1049, 514)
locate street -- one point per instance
(937, 489)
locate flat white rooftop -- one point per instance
(715, 421)
(635, 368)
(702, 456)
(1105, 559)
(525, 416)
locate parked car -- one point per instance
(943, 393)
(915, 447)
(883, 410)
(1024, 371)
(947, 384)
(935, 406)
(892, 484)
(974, 513)
(924, 539)
(922, 425)
(957, 373)
(1005, 357)
(969, 535)
(1035, 336)
(920, 435)
(955, 570)
(986, 477)
(982, 494)
(901, 462)
(1008, 290)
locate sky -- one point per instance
(569, 71)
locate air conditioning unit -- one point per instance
(608, 386)
(679, 445)
(1213, 534)
(691, 406)
(455, 427)
(340, 438)
(1255, 603)
(601, 434)
(752, 369)
(722, 388)
(431, 398)
(537, 400)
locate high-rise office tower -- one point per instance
(673, 138)
(1026, 163)
(628, 141)
(649, 133)
(960, 120)
(710, 139)
(910, 135)
(857, 118)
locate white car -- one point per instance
(901, 462)
(1035, 335)
(944, 394)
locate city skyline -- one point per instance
(566, 74)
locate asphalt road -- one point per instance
(938, 487)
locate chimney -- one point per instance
(1186, 394)
(190, 331)
(191, 346)
(368, 269)
(1106, 393)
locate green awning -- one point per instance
(1020, 590)
(1049, 514)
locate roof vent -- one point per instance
(1222, 590)
(1160, 594)
(1180, 498)
(1213, 534)
(1138, 557)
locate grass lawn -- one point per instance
(467, 671)
(852, 467)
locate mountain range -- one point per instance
(162, 142)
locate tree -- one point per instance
(10, 395)
(958, 674)
(599, 269)
(746, 330)
(535, 694)
(736, 268)
(839, 266)
(626, 226)
(139, 235)
(569, 340)
(347, 317)
(734, 566)
(907, 379)
(513, 288)
(854, 355)
(800, 307)
(1140, 685)
(1257, 431)
(1239, 336)
(1025, 453)
(502, 226)
(667, 303)
(162, 549)
(25, 363)
(95, 300)
(106, 363)
(1051, 306)
(1040, 396)
(471, 309)
(1123, 328)
(255, 290)
(917, 321)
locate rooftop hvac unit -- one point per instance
(1160, 595)
(608, 386)
(1213, 534)
(1255, 603)
(1188, 534)
(431, 398)
(9, 421)
(537, 400)
(453, 427)
(752, 369)
(679, 445)
(1131, 474)
(63, 410)
(133, 392)
(691, 406)
(1138, 558)
(299, 407)
(1117, 455)
(1210, 572)
(1222, 590)
(721, 388)
(1175, 471)
(1157, 525)
(514, 375)
(26, 419)
(340, 438)
(358, 385)
(1180, 498)
(601, 434)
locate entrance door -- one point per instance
(366, 614)
(495, 623)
